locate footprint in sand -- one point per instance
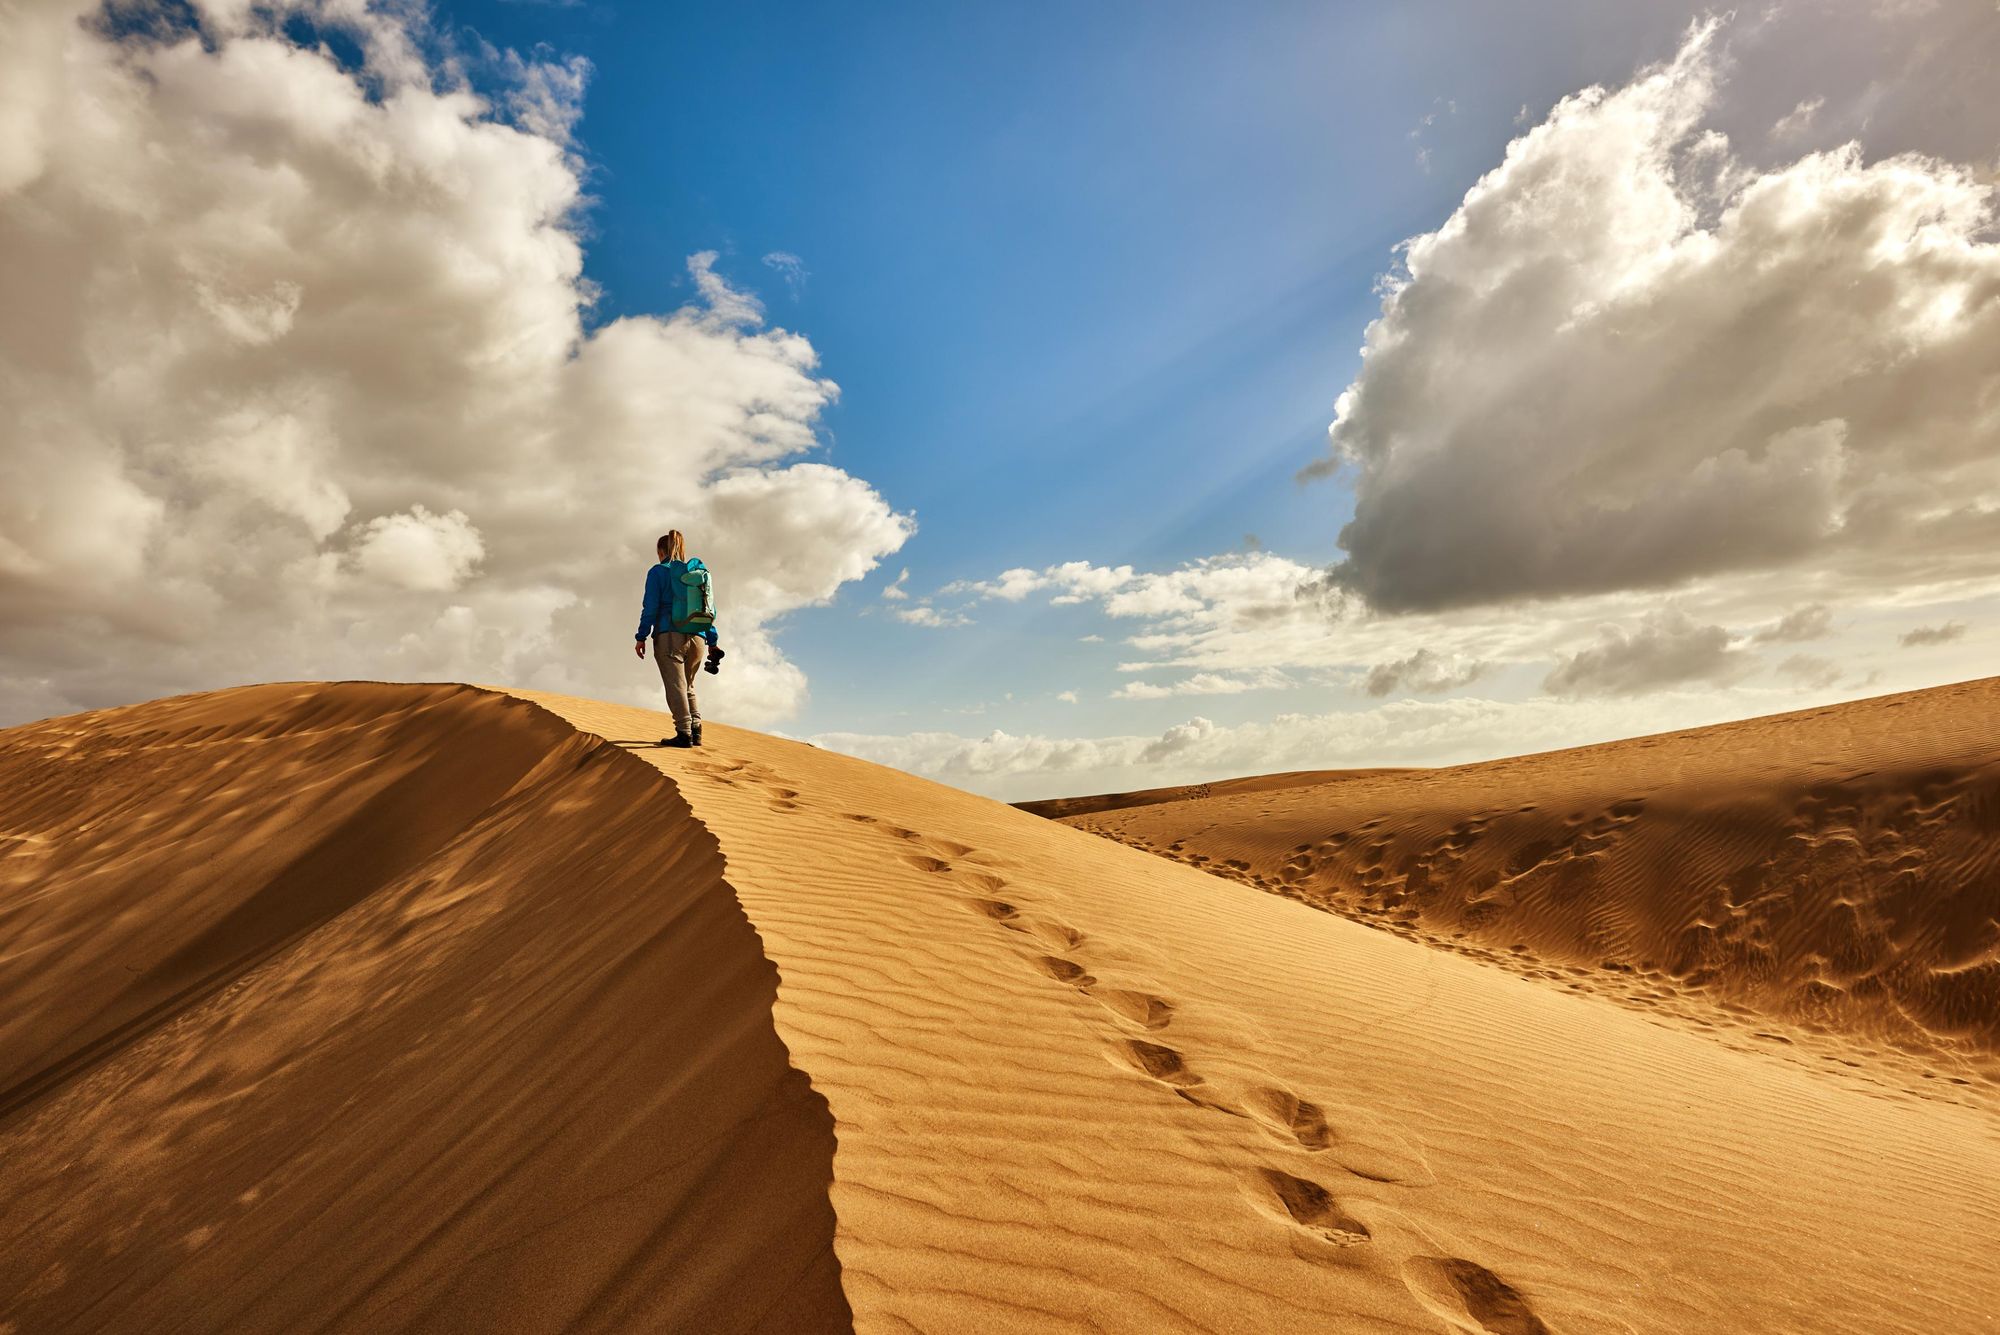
(783, 799)
(1470, 1297)
(1346, 1136)
(931, 854)
(1130, 1005)
(997, 909)
(1166, 1065)
(1301, 1119)
(1159, 1061)
(1052, 934)
(744, 773)
(1134, 1007)
(1313, 1208)
(1065, 971)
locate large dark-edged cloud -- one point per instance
(1425, 672)
(1631, 358)
(1813, 621)
(1667, 648)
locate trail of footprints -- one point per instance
(748, 774)
(1453, 1287)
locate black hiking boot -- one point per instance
(679, 739)
(695, 731)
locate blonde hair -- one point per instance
(673, 546)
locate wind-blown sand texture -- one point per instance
(525, 1067)
(1829, 873)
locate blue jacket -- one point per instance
(656, 613)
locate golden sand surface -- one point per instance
(368, 1008)
(1827, 880)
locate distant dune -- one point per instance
(1836, 871)
(364, 1008)
(1057, 808)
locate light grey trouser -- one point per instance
(679, 657)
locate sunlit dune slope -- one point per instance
(376, 1007)
(1072, 1087)
(1836, 869)
(1079, 1088)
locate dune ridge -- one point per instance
(1827, 873)
(364, 1007)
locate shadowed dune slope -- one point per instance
(1079, 1088)
(1836, 869)
(364, 1007)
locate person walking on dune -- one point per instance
(679, 616)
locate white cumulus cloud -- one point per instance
(1629, 360)
(419, 550)
(297, 380)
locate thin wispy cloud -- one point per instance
(1924, 636)
(1442, 107)
(923, 614)
(1205, 683)
(1799, 120)
(790, 268)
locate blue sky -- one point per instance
(1089, 277)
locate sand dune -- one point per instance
(1071, 1086)
(376, 1007)
(1834, 872)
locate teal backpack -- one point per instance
(694, 599)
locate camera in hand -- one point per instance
(714, 663)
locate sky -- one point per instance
(1068, 398)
